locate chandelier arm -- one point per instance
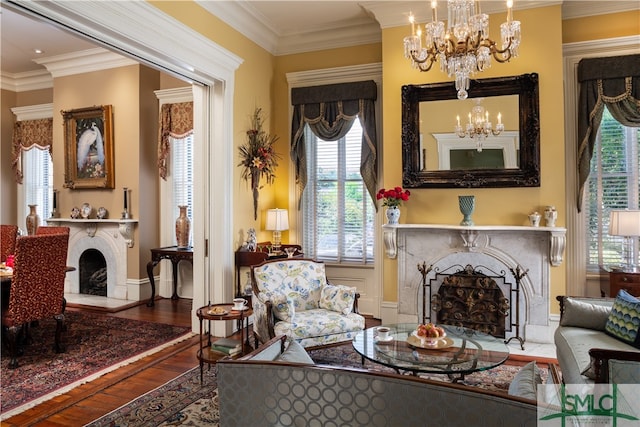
(420, 62)
(504, 59)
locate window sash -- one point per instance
(37, 183)
(613, 184)
(338, 214)
(181, 176)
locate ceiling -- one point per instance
(281, 27)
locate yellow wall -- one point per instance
(129, 90)
(8, 193)
(541, 29)
(8, 189)
(253, 88)
(601, 27)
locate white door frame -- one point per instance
(164, 43)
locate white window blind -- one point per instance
(338, 214)
(37, 183)
(613, 184)
(181, 176)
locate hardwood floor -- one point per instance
(90, 401)
(96, 398)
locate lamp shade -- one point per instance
(277, 220)
(624, 223)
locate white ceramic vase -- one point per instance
(393, 214)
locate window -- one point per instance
(37, 182)
(181, 176)
(613, 184)
(338, 214)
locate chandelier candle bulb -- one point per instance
(499, 118)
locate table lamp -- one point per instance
(277, 221)
(625, 223)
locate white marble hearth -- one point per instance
(498, 248)
(111, 238)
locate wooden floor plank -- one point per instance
(99, 397)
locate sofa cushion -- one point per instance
(294, 353)
(337, 298)
(572, 350)
(319, 323)
(525, 382)
(624, 320)
(585, 314)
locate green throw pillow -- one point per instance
(624, 320)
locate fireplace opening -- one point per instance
(93, 273)
(469, 298)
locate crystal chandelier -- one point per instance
(479, 127)
(465, 47)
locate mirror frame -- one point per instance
(527, 175)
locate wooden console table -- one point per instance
(248, 258)
(173, 254)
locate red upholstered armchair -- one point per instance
(52, 230)
(8, 233)
(37, 287)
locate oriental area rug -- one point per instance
(95, 344)
(184, 402)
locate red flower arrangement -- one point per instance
(393, 197)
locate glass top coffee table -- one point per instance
(462, 352)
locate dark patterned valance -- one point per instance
(28, 134)
(330, 110)
(176, 121)
(611, 81)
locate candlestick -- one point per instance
(125, 213)
(55, 204)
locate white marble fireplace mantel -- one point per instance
(470, 235)
(125, 226)
(498, 248)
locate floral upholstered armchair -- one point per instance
(292, 297)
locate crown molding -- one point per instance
(245, 20)
(33, 112)
(173, 96)
(29, 80)
(579, 9)
(324, 76)
(182, 52)
(84, 61)
(396, 13)
(253, 25)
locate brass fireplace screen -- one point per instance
(470, 298)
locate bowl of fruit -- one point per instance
(429, 334)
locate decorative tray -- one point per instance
(439, 344)
(211, 312)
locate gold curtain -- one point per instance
(176, 121)
(28, 134)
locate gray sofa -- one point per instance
(270, 387)
(585, 353)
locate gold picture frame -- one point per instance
(88, 135)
